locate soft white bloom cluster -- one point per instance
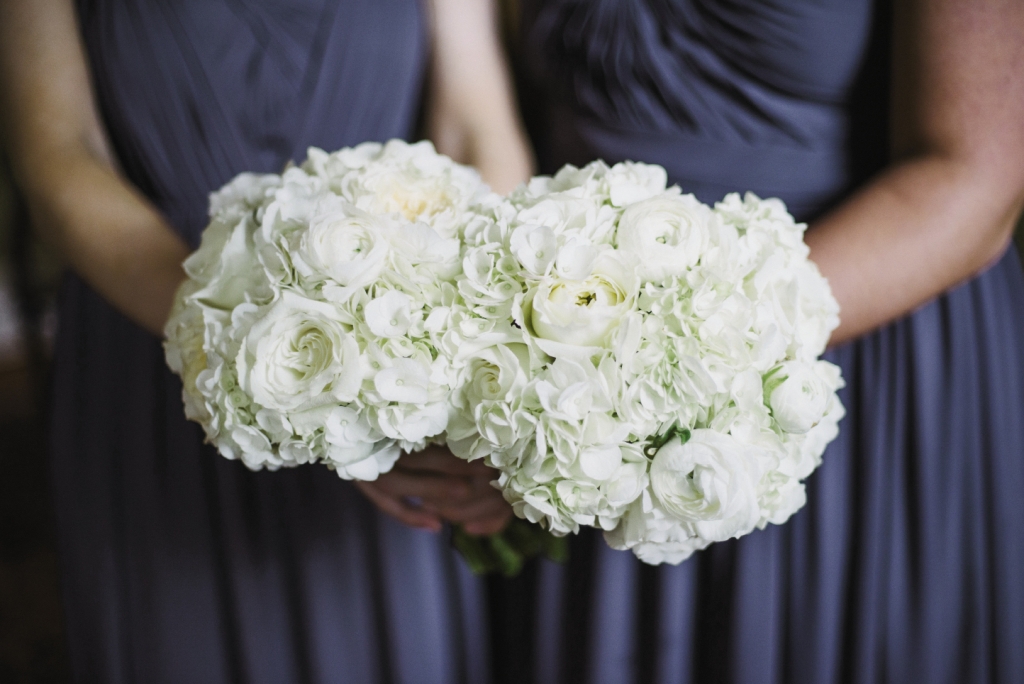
(632, 359)
(627, 357)
(309, 327)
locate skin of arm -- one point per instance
(471, 114)
(99, 224)
(946, 208)
(118, 242)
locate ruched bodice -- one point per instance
(782, 98)
(194, 92)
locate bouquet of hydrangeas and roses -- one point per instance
(637, 361)
(627, 357)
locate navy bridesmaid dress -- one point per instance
(178, 565)
(907, 563)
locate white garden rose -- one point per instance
(344, 244)
(709, 481)
(583, 312)
(496, 373)
(668, 234)
(296, 355)
(798, 396)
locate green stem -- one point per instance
(507, 551)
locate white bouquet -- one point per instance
(627, 357)
(309, 327)
(632, 359)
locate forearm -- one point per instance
(472, 115)
(101, 226)
(109, 235)
(919, 229)
(946, 208)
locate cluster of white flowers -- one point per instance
(309, 325)
(632, 359)
(627, 357)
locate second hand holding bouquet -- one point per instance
(626, 356)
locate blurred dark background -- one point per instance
(32, 645)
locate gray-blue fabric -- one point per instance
(178, 565)
(907, 563)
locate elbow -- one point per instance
(997, 179)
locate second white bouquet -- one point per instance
(637, 361)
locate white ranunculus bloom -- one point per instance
(416, 183)
(244, 193)
(668, 234)
(652, 535)
(344, 244)
(799, 397)
(709, 481)
(419, 249)
(296, 355)
(583, 312)
(632, 182)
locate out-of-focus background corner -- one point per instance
(32, 646)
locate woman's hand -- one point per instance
(431, 486)
(471, 111)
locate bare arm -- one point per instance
(104, 229)
(946, 208)
(472, 116)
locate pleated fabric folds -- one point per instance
(178, 565)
